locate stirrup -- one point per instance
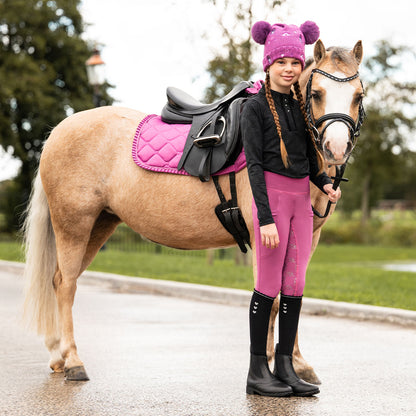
(212, 139)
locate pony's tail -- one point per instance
(40, 306)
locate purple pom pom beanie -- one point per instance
(282, 40)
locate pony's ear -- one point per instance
(357, 52)
(319, 51)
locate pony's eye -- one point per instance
(359, 99)
(316, 95)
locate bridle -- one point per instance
(353, 127)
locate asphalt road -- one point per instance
(159, 355)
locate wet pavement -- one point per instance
(159, 355)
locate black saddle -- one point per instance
(213, 142)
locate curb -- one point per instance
(233, 297)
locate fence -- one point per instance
(124, 239)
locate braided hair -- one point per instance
(283, 151)
(299, 97)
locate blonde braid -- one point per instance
(270, 100)
(299, 97)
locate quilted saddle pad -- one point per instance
(158, 146)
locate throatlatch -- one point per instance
(230, 214)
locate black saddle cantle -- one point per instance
(213, 142)
(182, 107)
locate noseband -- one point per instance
(353, 127)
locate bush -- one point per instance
(397, 235)
(12, 204)
(387, 230)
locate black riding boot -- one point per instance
(260, 380)
(289, 312)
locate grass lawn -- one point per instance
(348, 273)
(355, 274)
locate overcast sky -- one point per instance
(149, 45)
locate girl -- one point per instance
(281, 159)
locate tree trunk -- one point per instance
(365, 200)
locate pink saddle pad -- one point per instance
(158, 146)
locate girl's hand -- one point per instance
(333, 194)
(269, 235)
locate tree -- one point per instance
(235, 62)
(382, 150)
(42, 80)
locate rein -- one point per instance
(353, 127)
(338, 178)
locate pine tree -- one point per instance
(42, 80)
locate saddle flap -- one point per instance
(222, 141)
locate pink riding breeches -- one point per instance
(283, 269)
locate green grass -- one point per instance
(12, 251)
(184, 268)
(355, 274)
(348, 273)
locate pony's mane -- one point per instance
(309, 61)
(338, 55)
(341, 54)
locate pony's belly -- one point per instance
(173, 210)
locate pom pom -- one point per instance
(311, 31)
(260, 30)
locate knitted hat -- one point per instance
(282, 40)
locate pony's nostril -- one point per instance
(327, 148)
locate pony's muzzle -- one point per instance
(336, 154)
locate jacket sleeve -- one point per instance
(320, 180)
(252, 134)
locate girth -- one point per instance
(230, 214)
(213, 142)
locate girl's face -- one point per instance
(284, 72)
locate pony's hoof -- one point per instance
(76, 374)
(309, 375)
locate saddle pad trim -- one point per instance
(183, 129)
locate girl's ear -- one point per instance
(319, 51)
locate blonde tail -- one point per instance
(40, 307)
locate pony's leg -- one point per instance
(104, 226)
(56, 361)
(65, 287)
(71, 244)
(53, 344)
(301, 367)
(270, 335)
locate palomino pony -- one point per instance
(87, 184)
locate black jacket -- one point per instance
(262, 146)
